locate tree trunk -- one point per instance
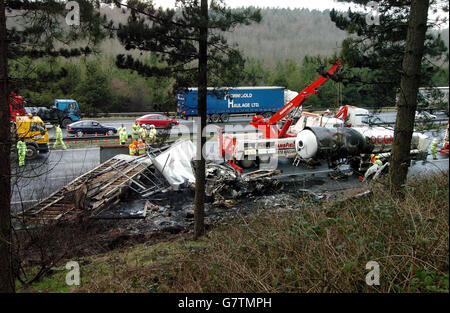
(407, 102)
(199, 227)
(6, 272)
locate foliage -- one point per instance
(173, 36)
(319, 248)
(380, 48)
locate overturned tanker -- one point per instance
(354, 145)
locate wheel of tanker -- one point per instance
(225, 117)
(31, 152)
(215, 118)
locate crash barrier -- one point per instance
(89, 139)
(131, 114)
(115, 138)
(436, 122)
(107, 152)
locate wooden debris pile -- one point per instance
(94, 191)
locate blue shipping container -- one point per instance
(235, 100)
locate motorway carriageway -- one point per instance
(186, 126)
(47, 173)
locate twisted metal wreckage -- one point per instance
(161, 170)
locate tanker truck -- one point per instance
(355, 145)
(346, 137)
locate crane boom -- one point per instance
(269, 126)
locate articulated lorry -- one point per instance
(63, 111)
(223, 102)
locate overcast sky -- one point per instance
(309, 4)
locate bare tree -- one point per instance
(409, 85)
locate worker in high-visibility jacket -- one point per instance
(152, 134)
(133, 147)
(141, 147)
(59, 138)
(433, 149)
(123, 136)
(135, 131)
(121, 128)
(377, 164)
(21, 152)
(143, 134)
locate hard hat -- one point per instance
(152, 126)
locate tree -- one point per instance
(200, 177)
(191, 45)
(409, 86)
(401, 55)
(380, 48)
(94, 94)
(38, 29)
(6, 271)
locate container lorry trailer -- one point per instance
(223, 102)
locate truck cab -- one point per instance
(32, 131)
(68, 111)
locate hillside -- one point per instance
(288, 34)
(282, 34)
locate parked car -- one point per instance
(424, 115)
(81, 128)
(159, 120)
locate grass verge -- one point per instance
(321, 248)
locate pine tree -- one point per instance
(409, 85)
(191, 44)
(401, 55)
(380, 47)
(40, 27)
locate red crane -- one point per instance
(269, 126)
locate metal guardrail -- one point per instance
(416, 122)
(127, 114)
(89, 138)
